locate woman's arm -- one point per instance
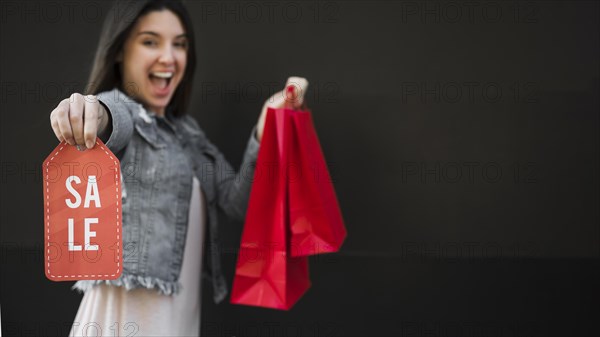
(119, 125)
(79, 119)
(233, 188)
(291, 97)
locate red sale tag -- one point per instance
(82, 214)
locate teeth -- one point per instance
(162, 74)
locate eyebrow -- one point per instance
(158, 35)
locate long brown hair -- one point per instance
(106, 74)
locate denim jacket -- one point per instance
(159, 157)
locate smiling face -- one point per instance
(153, 59)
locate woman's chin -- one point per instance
(158, 106)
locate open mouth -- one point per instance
(161, 79)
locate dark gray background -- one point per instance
(462, 138)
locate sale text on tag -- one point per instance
(82, 214)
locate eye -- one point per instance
(150, 43)
(181, 44)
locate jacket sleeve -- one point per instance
(233, 188)
(120, 108)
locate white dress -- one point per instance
(114, 311)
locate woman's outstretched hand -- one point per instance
(291, 97)
(78, 120)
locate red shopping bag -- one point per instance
(315, 218)
(266, 274)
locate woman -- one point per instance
(174, 178)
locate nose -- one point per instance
(166, 56)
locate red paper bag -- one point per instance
(82, 214)
(266, 274)
(315, 218)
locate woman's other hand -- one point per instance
(78, 120)
(292, 97)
